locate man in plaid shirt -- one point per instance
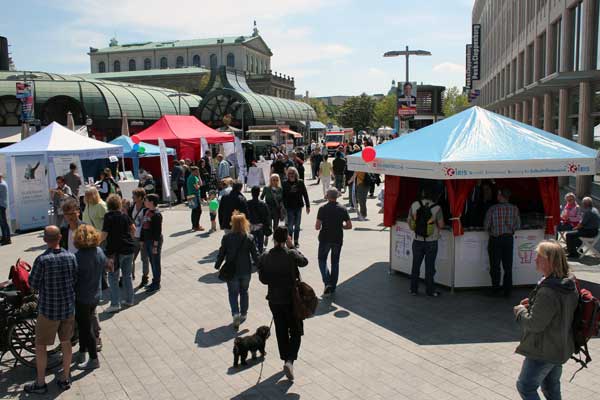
(501, 222)
(53, 276)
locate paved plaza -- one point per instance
(372, 341)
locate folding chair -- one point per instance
(588, 245)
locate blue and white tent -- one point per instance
(476, 144)
(128, 151)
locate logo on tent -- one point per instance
(449, 171)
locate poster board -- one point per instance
(30, 188)
(265, 167)
(255, 177)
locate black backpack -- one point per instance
(368, 180)
(422, 220)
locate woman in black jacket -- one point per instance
(278, 269)
(239, 252)
(295, 197)
(260, 219)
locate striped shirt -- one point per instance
(502, 219)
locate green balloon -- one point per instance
(142, 150)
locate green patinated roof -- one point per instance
(146, 73)
(102, 99)
(172, 44)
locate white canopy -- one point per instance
(56, 140)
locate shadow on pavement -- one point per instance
(182, 233)
(217, 336)
(36, 249)
(210, 278)
(271, 388)
(209, 258)
(324, 307)
(463, 317)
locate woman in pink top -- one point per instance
(570, 215)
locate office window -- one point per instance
(101, 66)
(196, 60)
(132, 65)
(578, 19)
(117, 66)
(542, 56)
(529, 62)
(147, 64)
(556, 39)
(164, 64)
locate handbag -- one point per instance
(193, 202)
(304, 299)
(227, 270)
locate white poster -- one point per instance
(61, 167)
(164, 170)
(241, 161)
(265, 167)
(203, 147)
(255, 177)
(228, 148)
(30, 186)
(403, 242)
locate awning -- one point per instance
(292, 133)
(314, 124)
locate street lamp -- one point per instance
(180, 95)
(242, 104)
(407, 53)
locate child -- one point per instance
(213, 207)
(152, 237)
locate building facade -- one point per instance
(539, 64)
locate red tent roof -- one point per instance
(182, 127)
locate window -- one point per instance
(132, 65)
(196, 60)
(577, 15)
(213, 61)
(247, 62)
(179, 62)
(117, 66)
(529, 63)
(542, 44)
(147, 64)
(164, 63)
(556, 39)
(101, 66)
(231, 60)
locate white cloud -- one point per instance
(449, 67)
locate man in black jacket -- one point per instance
(278, 269)
(295, 197)
(259, 217)
(232, 201)
(177, 180)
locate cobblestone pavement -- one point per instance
(372, 341)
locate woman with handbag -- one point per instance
(273, 196)
(279, 270)
(239, 252)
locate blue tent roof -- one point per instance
(477, 143)
(128, 152)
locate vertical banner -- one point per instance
(203, 148)
(25, 94)
(241, 161)
(468, 81)
(476, 52)
(164, 170)
(30, 186)
(407, 100)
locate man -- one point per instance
(426, 219)
(339, 168)
(193, 189)
(53, 276)
(70, 210)
(223, 168)
(136, 212)
(59, 195)
(332, 219)
(315, 161)
(3, 206)
(232, 201)
(208, 161)
(177, 180)
(501, 221)
(588, 227)
(74, 181)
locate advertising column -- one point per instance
(31, 191)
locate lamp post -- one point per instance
(180, 95)
(308, 123)
(242, 104)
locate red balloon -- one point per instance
(368, 154)
(135, 139)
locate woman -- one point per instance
(273, 196)
(239, 252)
(118, 230)
(153, 238)
(108, 185)
(95, 208)
(60, 194)
(295, 197)
(278, 269)
(325, 173)
(570, 215)
(546, 318)
(91, 263)
(360, 189)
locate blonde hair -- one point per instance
(552, 251)
(92, 196)
(86, 237)
(239, 223)
(227, 181)
(277, 178)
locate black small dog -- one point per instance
(252, 343)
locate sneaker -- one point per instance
(113, 309)
(98, 344)
(35, 388)
(236, 321)
(153, 287)
(288, 370)
(327, 291)
(79, 358)
(434, 294)
(297, 245)
(92, 363)
(126, 304)
(413, 293)
(144, 282)
(63, 384)
(243, 318)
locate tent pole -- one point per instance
(123, 162)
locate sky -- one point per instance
(330, 47)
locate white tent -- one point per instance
(32, 165)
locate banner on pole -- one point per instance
(25, 95)
(164, 170)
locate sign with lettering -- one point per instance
(476, 52)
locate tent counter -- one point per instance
(466, 257)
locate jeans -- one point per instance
(329, 278)
(361, 198)
(428, 251)
(154, 260)
(196, 213)
(84, 315)
(536, 373)
(275, 216)
(501, 251)
(294, 218)
(573, 241)
(339, 182)
(125, 263)
(4, 224)
(288, 330)
(140, 250)
(238, 290)
(259, 239)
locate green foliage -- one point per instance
(454, 101)
(357, 112)
(385, 111)
(320, 109)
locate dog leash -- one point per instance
(263, 360)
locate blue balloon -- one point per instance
(136, 147)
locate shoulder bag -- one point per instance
(304, 299)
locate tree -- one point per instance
(385, 111)
(357, 112)
(320, 109)
(454, 101)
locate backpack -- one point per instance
(586, 324)
(19, 274)
(368, 180)
(422, 226)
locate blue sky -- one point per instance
(332, 47)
